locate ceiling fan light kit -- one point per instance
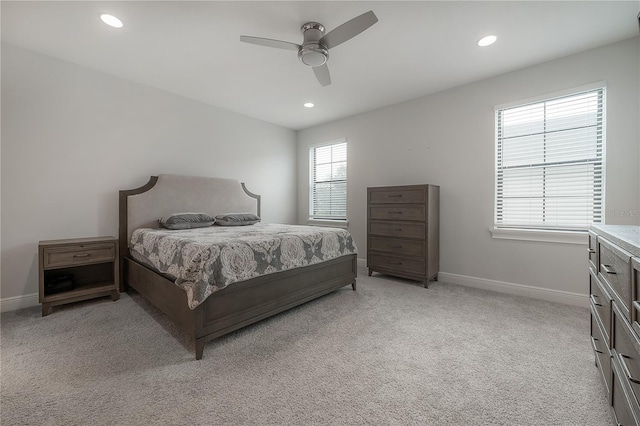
(314, 51)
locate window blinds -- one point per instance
(329, 181)
(549, 163)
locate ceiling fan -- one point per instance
(314, 51)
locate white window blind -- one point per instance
(328, 181)
(549, 163)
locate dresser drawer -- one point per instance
(626, 349)
(625, 408)
(398, 212)
(615, 271)
(397, 246)
(398, 229)
(380, 196)
(592, 251)
(635, 294)
(397, 263)
(58, 257)
(601, 303)
(601, 348)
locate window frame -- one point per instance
(568, 234)
(322, 220)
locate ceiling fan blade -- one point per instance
(349, 29)
(279, 44)
(322, 74)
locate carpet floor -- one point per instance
(390, 353)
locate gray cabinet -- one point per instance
(403, 231)
(614, 271)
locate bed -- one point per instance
(232, 306)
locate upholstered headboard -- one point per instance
(167, 194)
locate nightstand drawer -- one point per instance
(615, 271)
(398, 212)
(58, 257)
(397, 246)
(398, 229)
(400, 264)
(417, 195)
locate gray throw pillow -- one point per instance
(186, 221)
(237, 219)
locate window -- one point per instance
(328, 183)
(549, 163)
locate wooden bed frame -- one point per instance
(237, 305)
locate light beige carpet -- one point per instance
(392, 353)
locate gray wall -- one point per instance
(448, 139)
(72, 137)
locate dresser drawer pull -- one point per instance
(593, 300)
(395, 212)
(395, 229)
(394, 263)
(394, 245)
(395, 196)
(590, 251)
(622, 358)
(593, 343)
(82, 255)
(636, 305)
(608, 270)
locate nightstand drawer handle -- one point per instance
(395, 245)
(394, 229)
(395, 212)
(608, 270)
(395, 196)
(590, 251)
(622, 358)
(394, 263)
(593, 343)
(82, 255)
(593, 300)
(636, 306)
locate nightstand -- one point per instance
(77, 269)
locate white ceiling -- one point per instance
(419, 47)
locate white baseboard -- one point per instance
(547, 294)
(559, 296)
(19, 302)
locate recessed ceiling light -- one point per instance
(111, 20)
(487, 41)
(308, 105)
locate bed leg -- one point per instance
(353, 286)
(199, 348)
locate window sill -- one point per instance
(547, 236)
(329, 223)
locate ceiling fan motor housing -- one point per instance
(313, 53)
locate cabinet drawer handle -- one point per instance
(590, 251)
(395, 196)
(622, 357)
(394, 263)
(82, 255)
(395, 212)
(395, 229)
(593, 300)
(636, 305)
(608, 270)
(593, 343)
(395, 245)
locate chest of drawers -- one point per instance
(614, 271)
(403, 231)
